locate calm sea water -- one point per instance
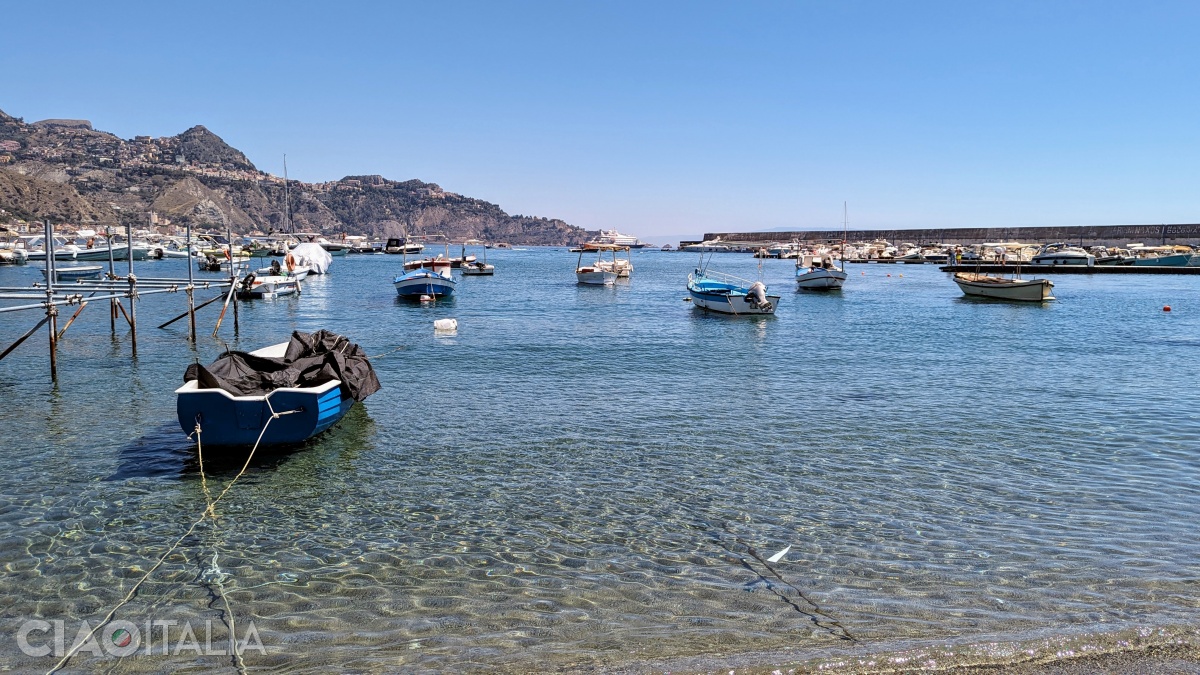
(589, 477)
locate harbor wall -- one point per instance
(1086, 235)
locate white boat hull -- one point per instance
(595, 277)
(477, 269)
(735, 305)
(1025, 290)
(820, 280)
(270, 287)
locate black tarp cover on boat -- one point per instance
(312, 359)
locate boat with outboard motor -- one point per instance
(727, 294)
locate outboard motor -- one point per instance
(756, 295)
(248, 282)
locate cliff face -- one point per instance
(67, 171)
(36, 199)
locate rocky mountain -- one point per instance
(67, 171)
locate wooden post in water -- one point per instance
(232, 277)
(190, 287)
(132, 286)
(112, 273)
(51, 310)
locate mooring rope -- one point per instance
(208, 511)
(816, 614)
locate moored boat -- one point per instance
(279, 395)
(1160, 256)
(430, 277)
(478, 268)
(1001, 288)
(1063, 254)
(402, 246)
(602, 272)
(267, 286)
(816, 272)
(727, 294)
(68, 274)
(617, 239)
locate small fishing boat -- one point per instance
(476, 268)
(298, 272)
(727, 294)
(1002, 288)
(283, 394)
(267, 286)
(816, 272)
(69, 274)
(430, 277)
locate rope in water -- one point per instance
(208, 511)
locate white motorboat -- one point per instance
(297, 272)
(267, 286)
(816, 272)
(1001, 288)
(1063, 254)
(403, 246)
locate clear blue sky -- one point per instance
(662, 119)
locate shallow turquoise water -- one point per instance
(590, 477)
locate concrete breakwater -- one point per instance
(1087, 235)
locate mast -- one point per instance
(845, 233)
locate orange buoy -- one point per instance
(1166, 308)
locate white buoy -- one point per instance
(445, 325)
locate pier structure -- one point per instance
(52, 295)
(1083, 235)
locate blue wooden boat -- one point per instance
(228, 418)
(429, 277)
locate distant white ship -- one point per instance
(614, 237)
